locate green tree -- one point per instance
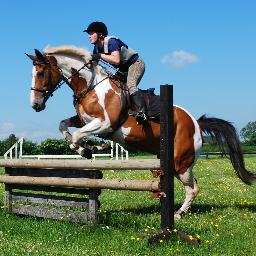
(7, 143)
(29, 148)
(248, 133)
(55, 147)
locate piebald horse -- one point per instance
(98, 105)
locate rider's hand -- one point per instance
(96, 56)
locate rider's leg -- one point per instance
(135, 73)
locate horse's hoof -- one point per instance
(177, 216)
(87, 153)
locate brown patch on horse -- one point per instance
(113, 107)
(89, 103)
(144, 138)
(45, 71)
(184, 151)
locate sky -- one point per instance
(205, 49)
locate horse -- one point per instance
(99, 104)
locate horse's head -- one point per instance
(45, 78)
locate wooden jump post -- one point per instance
(167, 167)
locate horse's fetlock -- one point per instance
(73, 146)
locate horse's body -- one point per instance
(99, 106)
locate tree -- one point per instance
(7, 143)
(55, 147)
(29, 148)
(248, 133)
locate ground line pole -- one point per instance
(167, 156)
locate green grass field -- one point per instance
(223, 216)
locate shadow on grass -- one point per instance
(116, 217)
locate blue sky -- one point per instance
(206, 49)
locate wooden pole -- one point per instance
(167, 156)
(136, 185)
(168, 169)
(82, 164)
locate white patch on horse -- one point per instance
(101, 90)
(120, 135)
(33, 99)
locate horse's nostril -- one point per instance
(35, 106)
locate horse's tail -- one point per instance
(226, 136)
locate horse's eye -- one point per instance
(40, 74)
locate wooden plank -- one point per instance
(52, 200)
(136, 185)
(82, 164)
(43, 172)
(50, 213)
(50, 189)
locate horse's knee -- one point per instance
(62, 125)
(76, 137)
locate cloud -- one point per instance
(179, 59)
(30, 133)
(6, 128)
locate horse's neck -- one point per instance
(66, 64)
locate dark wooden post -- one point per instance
(167, 156)
(167, 169)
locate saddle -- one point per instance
(152, 101)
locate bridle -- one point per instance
(49, 93)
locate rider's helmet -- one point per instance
(97, 26)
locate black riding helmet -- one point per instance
(97, 26)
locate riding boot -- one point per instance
(140, 107)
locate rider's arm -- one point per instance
(113, 58)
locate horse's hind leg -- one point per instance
(73, 121)
(191, 189)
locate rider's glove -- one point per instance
(96, 56)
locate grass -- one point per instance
(223, 216)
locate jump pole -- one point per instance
(167, 169)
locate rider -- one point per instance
(113, 51)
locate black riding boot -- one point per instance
(139, 104)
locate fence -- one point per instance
(15, 151)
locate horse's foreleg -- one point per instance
(96, 126)
(191, 189)
(73, 121)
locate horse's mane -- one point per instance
(69, 51)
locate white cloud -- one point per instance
(30, 133)
(5, 127)
(179, 59)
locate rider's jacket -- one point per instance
(111, 43)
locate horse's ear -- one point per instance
(41, 57)
(32, 57)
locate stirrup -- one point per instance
(141, 118)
